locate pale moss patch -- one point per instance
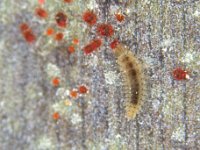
(76, 118)
(52, 70)
(112, 144)
(172, 105)
(32, 91)
(111, 77)
(61, 108)
(178, 133)
(45, 143)
(9, 8)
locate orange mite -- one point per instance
(59, 36)
(105, 29)
(71, 49)
(42, 13)
(73, 93)
(56, 116)
(90, 17)
(49, 31)
(55, 81)
(119, 17)
(82, 89)
(75, 41)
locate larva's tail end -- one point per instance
(131, 111)
(119, 50)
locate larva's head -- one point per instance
(119, 50)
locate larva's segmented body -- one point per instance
(133, 77)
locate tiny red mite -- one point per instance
(92, 46)
(114, 44)
(42, 13)
(90, 17)
(61, 19)
(179, 74)
(105, 29)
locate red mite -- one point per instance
(23, 27)
(92, 46)
(114, 44)
(105, 30)
(41, 2)
(27, 33)
(61, 19)
(29, 36)
(68, 1)
(179, 74)
(40, 12)
(82, 89)
(90, 17)
(59, 36)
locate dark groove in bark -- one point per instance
(161, 66)
(184, 87)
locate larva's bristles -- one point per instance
(133, 80)
(119, 50)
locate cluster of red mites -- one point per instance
(82, 89)
(92, 46)
(103, 29)
(27, 33)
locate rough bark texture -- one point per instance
(164, 34)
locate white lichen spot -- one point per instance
(149, 61)
(45, 143)
(128, 11)
(156, 105)
(167, 42)
(196, 13)
(178, 134)
(92, 5)
(68, 102)
(94, 61)
(114, 9)
(59, 107)
(188, 57)
(118, 136)
(52, 70)
(111, 77)
(62, 93)
(40, 94)
(187, 76)
(75, 119)
(167, 108)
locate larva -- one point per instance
(133, 76)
